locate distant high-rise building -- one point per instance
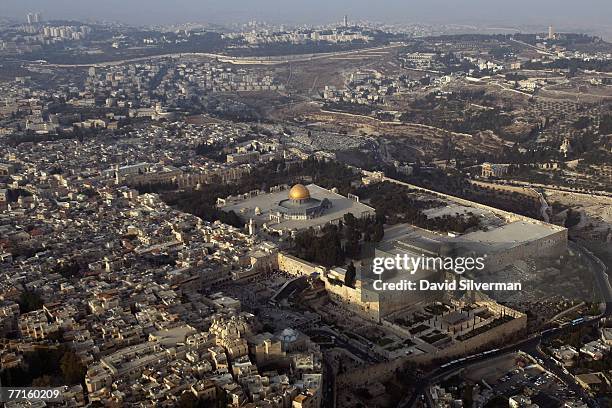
(33, 18)
(551, 33)
(345, 21)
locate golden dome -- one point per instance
(299, 192)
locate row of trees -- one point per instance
(29, 301)
(453, 113)
(335, 243)
(353, 108)
(196, 202)
(605, 125)
(397, 205)
(202, 202)
(571, 64)
(46, 367)
(214, 151)
(324, 248)
(12, 195)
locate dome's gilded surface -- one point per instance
(299, 192)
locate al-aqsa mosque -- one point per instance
(285, 209)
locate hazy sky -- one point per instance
(571, 13)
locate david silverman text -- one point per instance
(465, 284)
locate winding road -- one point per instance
(532, 344)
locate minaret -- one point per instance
(117, 177)
(566, 147)
(251, 227)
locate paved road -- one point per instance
(533, 47)
(329, 386)
(224, 58)
(587, 193)
(340, 342)
(563, 375)
(531, 345)
(600, 272)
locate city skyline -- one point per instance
(563, 13)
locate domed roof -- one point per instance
(299, 192)
(288, 335)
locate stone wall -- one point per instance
(296, 266)
(364, 303)
(508, 216)
(490, 337)
(552, 245)
(386, 370)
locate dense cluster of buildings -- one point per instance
(159, 306)
(34, 36)
(134, 315)
(338, 35)
(146, 84)
(159, 91)
(518, 382)
(367, 88)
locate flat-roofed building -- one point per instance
(300, 208)
(6, 169)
